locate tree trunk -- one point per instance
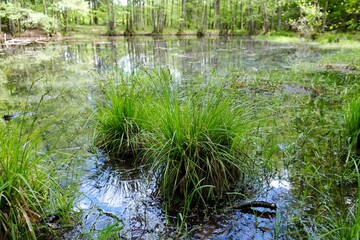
(111, 21)
(325, 15)
(202, 22)
(233, 21)
(95, 7)
(279, 18)
(205, 17)
(164, 14)
(131, 19)
(153, 18)
(172, 13)
(216, 13)
(66, 20)
(251, 22)
(183, 17)
(44, 6)
(241, 16)
(113, 17)
(273, 14)
(183, 13)
(266, 20)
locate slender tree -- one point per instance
(216, 13)
(44, 7)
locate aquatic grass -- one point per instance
(338, 220)
(26, 184)
(111, 231)
(352, 123)
(195, 144)
(120, 115)
(21, 191)
(31, 193)
(280, 38)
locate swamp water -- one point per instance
(116, 197)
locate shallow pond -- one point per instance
(116, 197)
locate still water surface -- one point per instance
(121, 195)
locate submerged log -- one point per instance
(26, 41)
(253, 204)
(248, 208)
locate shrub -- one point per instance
(29, 19)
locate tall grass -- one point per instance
(28, 191)
(195, 143)
(352, 121)
(190, 133)
(120, 115)
(339, 220)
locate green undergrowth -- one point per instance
(311, 112)
(39, 142)
(30, 193)
(352, 121)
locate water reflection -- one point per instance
(183, 57)
(70, 62)
(125, 192)
(117, 192)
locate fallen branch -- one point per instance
(253, 204)
(248, 208)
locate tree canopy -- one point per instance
(226, 16)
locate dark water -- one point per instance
(126, 191)
(119, 195)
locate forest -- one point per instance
(225, 17)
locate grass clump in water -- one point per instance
(119, 116)
(352, 121)
(191, 133)
(28, 190)
(195, 144)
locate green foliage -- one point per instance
(309, 20)
(39, 20)
(352, 121)
(110, 232)
(195, 143)
(78, 7)
(120, 116)
(305, 16)
(192, 135)
(27, 18)
(28, 192)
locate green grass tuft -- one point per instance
(352, 121)
(194, 143)
(120, 116)
(28, 190)
(189, 133)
